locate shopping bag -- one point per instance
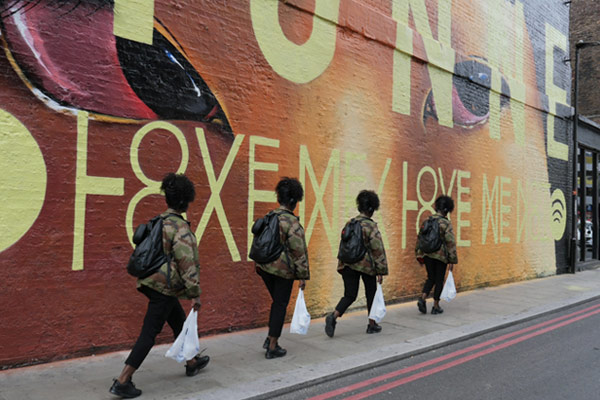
(301, 317)
(378, 307)
(187, 345)
(449, 290)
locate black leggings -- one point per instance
(436, 272)
(280, 290)
(161, 309)
(351, 282)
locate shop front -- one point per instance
(588, 191)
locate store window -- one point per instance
(587, 204)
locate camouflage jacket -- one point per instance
(180, 277)
(446, 253)
(293, 261)
(374, 262)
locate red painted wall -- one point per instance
(91, 120)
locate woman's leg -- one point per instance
(159, 308)
(176, 319)
(429, 283)
(440, 274)
(370, 283)
(269, 280)
(281, 290)
(351, 281)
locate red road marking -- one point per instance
(415, 367)
(463, 360)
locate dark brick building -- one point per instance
(584, 26)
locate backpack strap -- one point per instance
(278, 212)
(442, 236)
(169, 254)
(369, 249)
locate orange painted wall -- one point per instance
(382, 99)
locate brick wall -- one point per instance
(584, 27)
(411, 99)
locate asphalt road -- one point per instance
(554, 357)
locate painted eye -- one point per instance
(70, 59)
(471, 84)
(163, 78)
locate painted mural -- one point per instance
(411, 98)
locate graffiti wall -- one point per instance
(411, 98)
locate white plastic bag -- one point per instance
(187, 345)
(301, 317)
(449, 290)
(378, 308)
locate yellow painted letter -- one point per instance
(23, 180)
(440, 55)
(254, 195)
(296, 63)
(85, 185)
(505, 22)
(152, 186)
(504, 208)
(407, 205)
(463, 207)
(331, 229)
(134, 20)
(489, 214)
(216, 184)
(554, 38)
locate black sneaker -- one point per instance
(277, 352)
(266, 343)
(125, 390)
(330, 325)
(437, 310)
(200, 362)
(422, 306)
(373, 328)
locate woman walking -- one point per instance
(370, 268)
(436, 262)
(292, 263)
(175, 280)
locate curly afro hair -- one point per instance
(367, 202)
(289, 192)
(444, 204)
(179, 191)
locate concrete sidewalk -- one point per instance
(239, 370)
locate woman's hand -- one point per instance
(302, 284)
(380, 279)
(451, 267)
(196, 303)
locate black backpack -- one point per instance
(352, 246)
(148, 255)
(266, 245)
(429, 239)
